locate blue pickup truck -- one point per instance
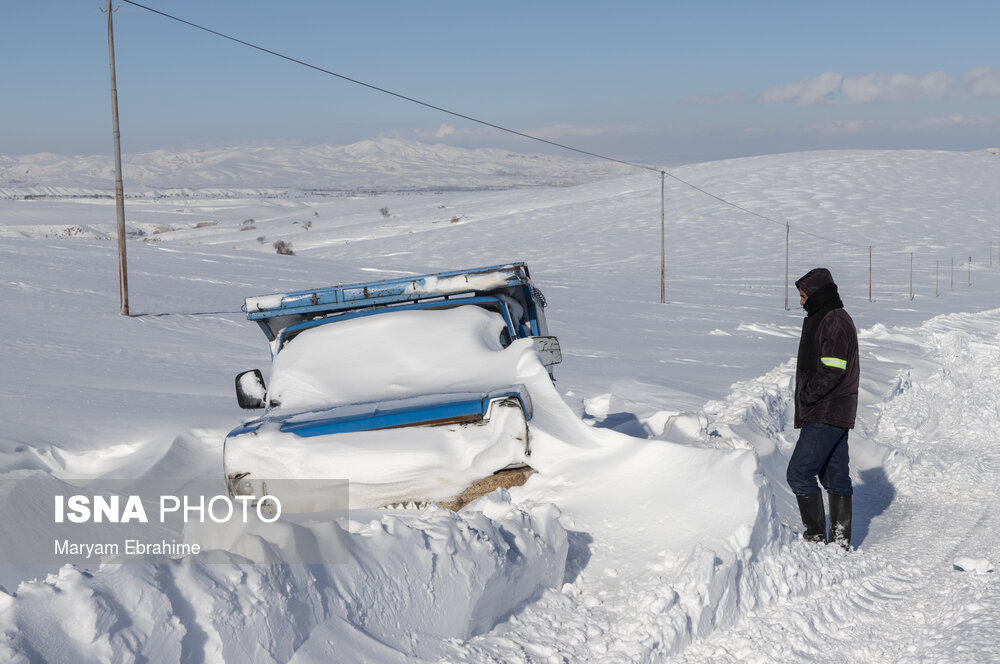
(408, 388)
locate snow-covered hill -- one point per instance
(374, 165)
(659, 526)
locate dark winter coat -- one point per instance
(827, 371)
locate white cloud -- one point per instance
(446, 131)
(835, 88)
(807, 92)
(982, 82)
(894, 87)
(831, 88)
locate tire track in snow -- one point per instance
(907, 602)
(896, 599)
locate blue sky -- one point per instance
(660, 82)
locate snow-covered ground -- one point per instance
(658, 528)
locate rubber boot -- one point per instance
(813, 517)
(840, 520)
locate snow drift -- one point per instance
(677, 541)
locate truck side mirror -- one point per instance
(548, 349)
(250, 390)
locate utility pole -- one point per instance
(787, 230)
(663, 245)
(119, 188)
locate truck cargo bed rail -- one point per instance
(274, 312)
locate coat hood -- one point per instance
(813, 280)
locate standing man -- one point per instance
(826, 403)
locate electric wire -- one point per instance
(492, 125)
(448, 111)
(389, 92)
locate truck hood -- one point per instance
(424, 410)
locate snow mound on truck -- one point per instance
(399, 354)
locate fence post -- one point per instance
(869, 273)
(911, 275)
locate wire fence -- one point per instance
(909, 275)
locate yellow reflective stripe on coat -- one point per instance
(834, 362)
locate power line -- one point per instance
(485, 122)
(389, 92)
(441, 109)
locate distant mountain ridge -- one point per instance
(386, 164)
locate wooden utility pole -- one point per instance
(787, 227)
(663, 242)
(119, 188)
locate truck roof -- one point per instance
(277, 311)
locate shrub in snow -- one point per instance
(283, 248)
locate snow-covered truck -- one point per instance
(407, 388)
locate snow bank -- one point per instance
(434, 574)
(663, 537)
(698, 515)
(639, 523)
(977, 565)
